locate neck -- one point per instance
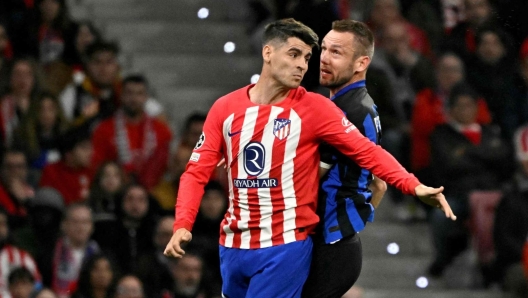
(355, 78)
(268, 91)
(99, 292)
(70, 163)
(134, 117)
(75, 245)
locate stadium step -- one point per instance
(222, 70)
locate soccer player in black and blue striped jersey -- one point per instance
(348, 194)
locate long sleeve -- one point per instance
(337, 131)
(203, 161)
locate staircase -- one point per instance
(184, 59)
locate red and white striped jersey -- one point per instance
(272, 162)
(11, 258)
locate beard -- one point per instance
(131, 112)
(334, 84)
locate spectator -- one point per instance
(6, 54)
(97, 278)
(386, 13)
(192, 130)
(129, 286)
(511, 223)
(465, 156)
(53, 30)
(517, 112)
(22, 91)
(12, 258)
(188, 273)
(430, 110)
(490, 73)
(44, 293)
(84, 34)
(38, 135)
(72, 174)
(97, 96)
(72, 249)
(107, 186)
(165, 192)
(15, 191)
(153, 268)
(137, 141)
(205, 230)
(462, 39)
(21, 283)
(131, 235)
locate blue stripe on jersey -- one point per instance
(330, 187)
(371, 133)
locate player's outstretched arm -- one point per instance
(434, 197)
(378, 187)
(174, 247)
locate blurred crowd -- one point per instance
(89, 166)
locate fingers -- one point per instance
(174, 250)
(444, 205)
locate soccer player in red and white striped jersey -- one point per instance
(268, 134)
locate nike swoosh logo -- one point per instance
(234, 133)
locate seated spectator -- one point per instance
(22, 91)
(15, 191)
(517, 112)
(72, 249)
(129, 286)
(107, 187)
(39, 134)
(6, 55)
(135, 140)
(131, 235)
(21, 283)
(44, 293)
(97, 278)
(153, 268)
(206, 230)
(430, 110)
(192, 130)
(188, 274)
(465, 156)
(54, 29)
(84, 34)
(166, 190)
(97, 96)
(72, 174)
(462, 39)
(490, 73)
(386, 13)
(39, 236)
(511, 223)
(12, 258)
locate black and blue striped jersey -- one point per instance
(344, 197)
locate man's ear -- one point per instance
(362, 63)
(266, 53)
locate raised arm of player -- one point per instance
(336, 130)
(205, 156)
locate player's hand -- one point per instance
(379, 188)
(434, 197)
(174, 248)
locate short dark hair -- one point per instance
(137, 79)
(283, 29)
(195, 117)
(73, 137)
(362, 35)
(20, 274)
(461, 89)
(100, 46)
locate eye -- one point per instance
(335, 52)
(294, 55)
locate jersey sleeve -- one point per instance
(203, 161)
(336, 130)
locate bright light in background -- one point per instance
(203, 13)
(393, 248)
(229, 47)
(422, 282)
(255, 78)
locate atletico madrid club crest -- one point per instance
(281, 128)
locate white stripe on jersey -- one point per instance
(229, 146)
(288, 187)
(265, 202)
(250, 120)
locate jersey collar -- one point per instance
(355, 85)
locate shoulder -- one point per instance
(162, 127)
(104, 126)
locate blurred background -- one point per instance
(102, 101)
